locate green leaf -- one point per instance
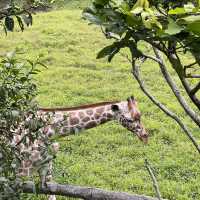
(21, 25)
(132, 20)
(194, 27)
(137, 10)
(124, 7)
(9, 23)
(173, 28)
(107, 51)
(189, 7)
(192, 18)
(92, 18)
(177, 11)
(111, 56)
(101, 2)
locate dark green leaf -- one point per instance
(9, 23)
(21, 25)
(111, 56)
(92, 18)
(194, 27)
(101, 2)
(106, 51)
(173, 28)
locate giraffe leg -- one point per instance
(49, 178)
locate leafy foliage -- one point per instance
(158, 20)
(22, 11)
(17, 92)
(173, 27)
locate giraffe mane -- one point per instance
(79, 107)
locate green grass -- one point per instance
(108, 156)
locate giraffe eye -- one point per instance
(115, 108)
(130, 120)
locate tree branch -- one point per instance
(152, 58)
(175, 89)
(176, 64)
(155, 182)
(196, 88)
(87, 193)
(136, 74)
(192, 76)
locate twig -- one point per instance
(176, 64)
(153, 58)
(155, 182)
(192, 76)
(196, 88)
(190, 65)
(178, 67)
(175, 90)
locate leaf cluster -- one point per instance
(20, 12)
(18, 118)
(164, 21)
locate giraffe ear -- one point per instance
(133, 98)
(115, 108)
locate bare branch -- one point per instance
(153, 58)
(192, 76)
(196, 88)
(81, 192)
(190, 65)
(176, 64)
(174, 88)
(136, 74)
(155, 182)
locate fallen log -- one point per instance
(87, 193)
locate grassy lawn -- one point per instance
(108, 156)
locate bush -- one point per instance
(17, 92)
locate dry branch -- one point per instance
(136, 74)
(174, 88)
(196, 88)
(81, 192)
(155, 182)
(176, 64)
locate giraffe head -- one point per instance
(129, 116)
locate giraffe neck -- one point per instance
(69, 121)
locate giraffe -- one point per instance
(76, 119)
(67, 121)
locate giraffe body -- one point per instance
(67, 121)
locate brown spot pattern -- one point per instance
(81, 115)
(27, 163)
(91, 124)
(72, 114)
(97, 116)
(100, 110)
(86, 119)
(74, 121)
(103, 120)
(109, 116)
(89, 112)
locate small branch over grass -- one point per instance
(81, 192)
(155, 182)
